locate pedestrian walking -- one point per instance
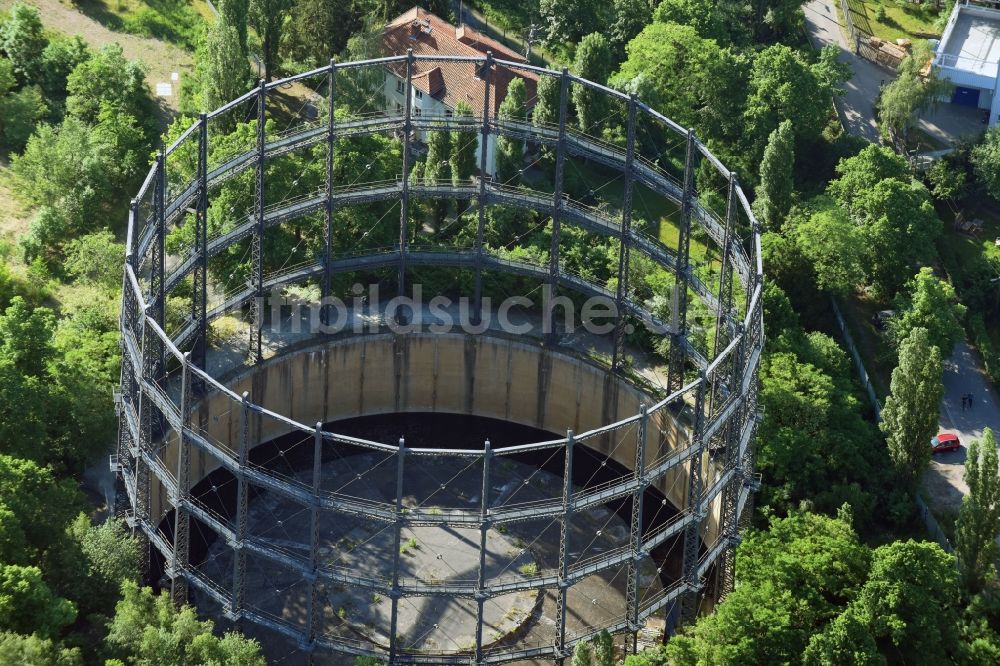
(971, 401)
(964, 397)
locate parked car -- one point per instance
(945, 441)
(882, 317)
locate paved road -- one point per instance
(964, 370)
(856, 105)
(963, 374)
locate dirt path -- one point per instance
(160, 58)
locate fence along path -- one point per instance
(930, 522)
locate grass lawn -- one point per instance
(872, 344)
(174, 21)
(663, 213)
(14, 215)
(966, 247)
(893, 20)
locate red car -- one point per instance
(946, 441)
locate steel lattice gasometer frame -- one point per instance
(164, 376)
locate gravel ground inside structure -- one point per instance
(429, 554)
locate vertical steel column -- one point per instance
(242, 501)
(730, 494)
(726, 274)
(557, 199)
(199, 294)
(635, 533)
(754, 338)
(156, 293)
(128, 387)
(328, 229)
(315, 612)
(394, 593)
(625, 241)
(678, 355)
(722, 321)
(404, 200)
(257, 240)
(564, 546)
(484, 138)
(692, 533)
(484, 527)
(148, 416)
(182, 518)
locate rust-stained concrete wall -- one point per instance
(487, 376)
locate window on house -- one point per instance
(399, 107)
(420, 95)
(448, 113)
(416, 110)
(399, 86)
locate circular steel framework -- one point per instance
(165, 379)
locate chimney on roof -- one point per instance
(414, 28)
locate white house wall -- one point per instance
(427, 105)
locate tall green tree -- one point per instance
(583, 654)
(20, 112)
(832, 243)
(38, 504)
(911, 92)
(227, 72)
(985, 160)
(60, 57)
(690, 82)
(845, 640)
(604, 649)
(592, 62)
(712, 19)
(948, 180)
(22, 39)
(28, 605)
(931, 304)
(235, 13)
(911, 601)
(26, 337)
(109, 78)
(783, 85)
(910, 415)
(72, 174)
(899, 227)
(774, 194)
(509, 151)
(319, 29)
(978, 521)
(268, 19)
(567, 21)
(895, 218)
(464, 153)
(862, 172)
(437, 167)
(794, 577)
(148, 629)
(629, 18)
(36, 651)
(546, 110)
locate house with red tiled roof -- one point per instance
(438, 87)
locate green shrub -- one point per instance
(982, 341)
